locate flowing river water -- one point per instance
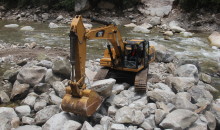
(196, 47)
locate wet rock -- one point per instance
(29, 127)
(19, 91)
(10, 75)
(214, 39)
(211, 120)
(175, 27)
(118, 127)
(180, 84)
(62, 67)
(163, 55)
(159, 95)
(4, 98)
(59, 88)
(42, 88)
(81, 5)
(148, 123)
(129, 115)
(103, 87)
(155, 21)
(71, 125)
(184, 120)
(11, 26)
(27, 28)
(186, 34)
(31, 75)
(50, 77)
(168, 33)
(30, 99)
(205, 78)
(199, 94)
(87, 126)
(183, 103)
(40, 104)
(43, 115)
(6, 116)
(54, 99)
(24, 110)
(45, 63)
(53, 25)
(131, 25)
(142, 28)
(27, 120)
(60, 17)
(56, 121)
(187, 70)
(159, 115)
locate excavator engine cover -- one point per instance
(86, 105)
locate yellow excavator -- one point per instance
(126, 61)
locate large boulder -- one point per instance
(81, 5)
(59, 88)
(4, 98)
(24, 110)
(214, 39)
(179, 119)
(54, 99)
(149, 123)
(56, 121)
(156, 7)
(158, 95)
(43, 115)
(30, 99)
(183, 103)
(163, 55)
(129, 115)
(142, 28)
(103, 87)
(19, 91)
(62, 67)
(123, 99)
(31, 75)
(45, 63)
(50, 77)
(6, 116)
(187, 70)
(174, 26)
(71, 125)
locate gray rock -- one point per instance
(159, 115)
(81, 5)
(210, 88)
(6, 116)
(214, 39)
(159, 95)
(53, 25)
(180, 84)
(200, 124)
(24, 110)
(183, 103)
(7, 88)
(15, 122)
(71, 125)
(60, 17)
(31, 75)
(50, 77)
(186, 34)
(163, 55)
(155, 21)
(118, 127)
(199, 94)
(43, 115)
(10, 75)
(130, 25)
(162, 86)
(54, 99)
(149, 123)
(45, 16)
(29, 127)
(87, 126)
(112, 111)
(167, 108)
(59, 88)
(123, 99)
(129, 115)
(106, 122)
(184, 120)
(56, 121)
(211, 120)
(8, 111)
(184, 95)
(4, 98)
(103, 87)
(42, 88)
(98, 127)
(27, 28)
(168, 33)
(139, 104)
(205, 78)
(11, 26)
(45, 63)
(187, 70)
(117, 88)
(62, 67)
(149, 109)
(175, 27)
(141, 29)
(27, 120)
(215, 109)
(19, 91)
(30, 99)
(40, 104)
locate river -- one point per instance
(196, 47)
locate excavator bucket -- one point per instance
(86, 105)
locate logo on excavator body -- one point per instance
(100, 33)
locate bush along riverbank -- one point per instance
(178, 97)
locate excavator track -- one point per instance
(101, 74)
(140, 82)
